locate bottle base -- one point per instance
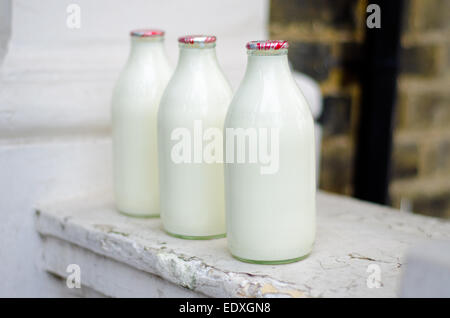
(140, 216)
(277, 262)
(190, 237)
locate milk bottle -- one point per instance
(190, 120)
(134, 112)
(270, 204)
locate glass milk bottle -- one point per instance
(269, 174)
(134, 112)
(190, 124)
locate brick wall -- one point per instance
(326, 38)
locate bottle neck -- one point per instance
(194, 59)
(146, 48)
(268, 64)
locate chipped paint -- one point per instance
(336, 268)
(268, 290)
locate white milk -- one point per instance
(134, 113)
(192, 191)
(271, 217)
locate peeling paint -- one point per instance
(270, 290)
(110, 229)
(337, 267)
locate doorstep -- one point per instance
(121, 256)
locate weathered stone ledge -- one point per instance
(125, 257)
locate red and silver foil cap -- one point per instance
(146, 33)
(267, 45)
(197, 39)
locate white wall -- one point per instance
(55, 86)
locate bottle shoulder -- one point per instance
(197, 88)
(135, 82)
(153, 71)
(257, 97)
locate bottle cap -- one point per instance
(267, 45)
(197, 39)
(145, 33)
